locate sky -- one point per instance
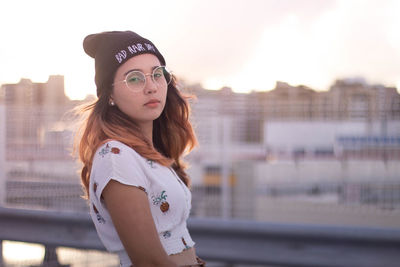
(244, 44)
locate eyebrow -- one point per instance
(153, 68)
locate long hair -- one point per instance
(173, 134)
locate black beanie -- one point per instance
(111, 49)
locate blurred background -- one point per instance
(297, 110)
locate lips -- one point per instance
(152, 101)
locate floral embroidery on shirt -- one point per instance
(167, 234)
(104, 150)
(164, 207)
(115, 150)
(151, 163)
(107, 149)
(161, 200)
(142, 188)
(184, 242)
(95, 185)
(100, 218)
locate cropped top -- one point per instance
(169, 197)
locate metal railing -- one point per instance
(230, 241)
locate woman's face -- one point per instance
(147, 104)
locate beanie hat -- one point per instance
(112, 49)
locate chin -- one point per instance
(154, 116)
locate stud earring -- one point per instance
(111, 102)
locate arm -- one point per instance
(130, 212)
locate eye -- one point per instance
(134, 77)
(158, 73)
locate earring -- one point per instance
(111, 102)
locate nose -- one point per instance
(150, 86)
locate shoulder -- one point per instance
(116, 160)
(113, 147)
(110, 143)
(116, 155)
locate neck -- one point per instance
(147, 130)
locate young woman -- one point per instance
(131, 146)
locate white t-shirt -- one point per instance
(169, 197)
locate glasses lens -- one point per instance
(161, 76)
(135, 80)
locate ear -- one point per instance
(111, 101)
(111, 97)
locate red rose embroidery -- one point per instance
(115, 150)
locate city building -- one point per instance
(330, 148)
(296, 121)
(33, 115)
(287, 131)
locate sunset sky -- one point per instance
(244, 44)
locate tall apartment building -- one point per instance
(26, 93)
(243, 109)
(33, 111)
(355, 100)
